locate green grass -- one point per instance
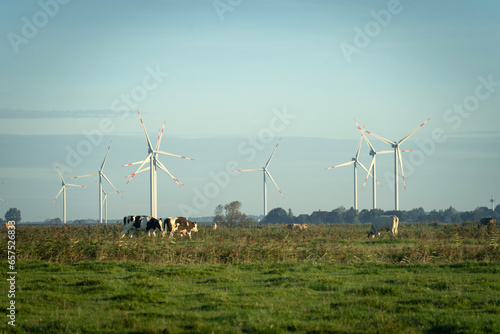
(257, 298)
(432, 278)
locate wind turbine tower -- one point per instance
(265, 171)
(397, 158)
(492, 200)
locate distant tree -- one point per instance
(351, 216)
(229, 215)
(1, 220)
(13, 214)
(364, 216)
(417, 215)
(277, 216)
(451, 215)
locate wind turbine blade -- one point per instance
(272, 154)
(76, 185)
(137, 171)
(344, 164)
(359, 146)
(402, 171)
(173, 155)
(133, 163)
(269, 174)
(145, 132)
(111, 184)
(411, 133)
(248, 170)
(142, 170)
(105, 157)
(59, 193)
(76, 177)
(385, 152)
(159, 137)
(390, 142)
(59, 172)
(369, 172)
(179, 183)
(3, 200)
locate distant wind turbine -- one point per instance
(373, 164)
(101, 176)
(265, 171)
(397, 157)
(105, 201)
(356, 162)
(154, 163)
(63, 190)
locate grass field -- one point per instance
(432, 278)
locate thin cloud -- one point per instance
(34, 114)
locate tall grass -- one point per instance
(417, 243)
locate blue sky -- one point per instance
(229, 76)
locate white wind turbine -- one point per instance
(265, 171)
(101, 176)
(105, 201)
(373, 164)
(63, 190)
(356, 162)
(153, 164)
(397, 157)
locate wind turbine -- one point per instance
(265, 171)
(101, 176)
(63, 190)
(105, 201)
(492, 200)
(356, 162)
(373, 164)
(397, 157)
(153, 164)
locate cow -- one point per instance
(486, 221)
(384, 223)
(143, 223)
(180, 225)
(298, 226)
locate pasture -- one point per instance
(431, 278)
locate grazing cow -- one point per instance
(298, 226)
(384, 223)
(486, 221)
(180, 225)
(144, 223)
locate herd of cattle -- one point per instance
(184, 226)
(180, 225)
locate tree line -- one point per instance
(230, 215)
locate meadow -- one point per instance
(431, 278)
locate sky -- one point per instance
(230, 78)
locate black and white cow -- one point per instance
(143, 223)
(180, 225)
